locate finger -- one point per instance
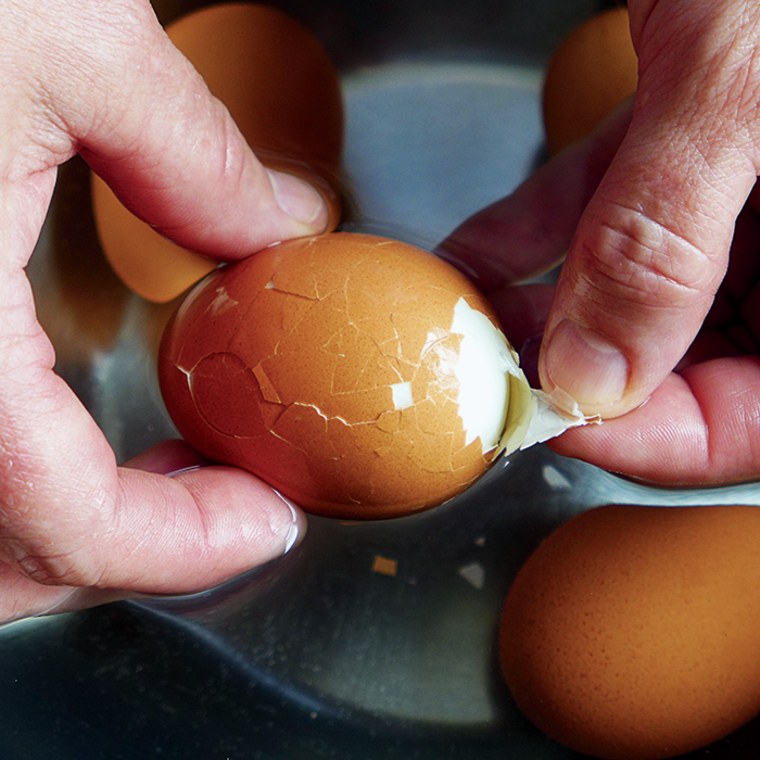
(652, 245)
(145, 121)
(145, 532)
(528, 232)
(48, 594)
(223, 520)
(522, 310)
(698, 428)
(69, 516)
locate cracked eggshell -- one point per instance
(361, 377)
(284, 94)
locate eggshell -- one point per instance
(590, 73)
(283, 93)
(330, 367)
(633, 632)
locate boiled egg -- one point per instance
(360, 376)
(632, 633)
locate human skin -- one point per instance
(654, 323)
(100, 79)
(645, 210)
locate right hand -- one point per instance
(646, 210)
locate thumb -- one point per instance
(652, 245)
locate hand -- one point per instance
(102, 79)
(646, 210)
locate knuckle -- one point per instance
(641, 259)
(224, 148)
(57, 569)
(50, 550)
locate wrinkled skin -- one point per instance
(101, 79)
(656, 317)
(648, 247)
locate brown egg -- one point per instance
(590, 73)
(360, 376)
(633, 632)
(283, 93)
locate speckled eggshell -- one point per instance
(633, 633)
(285, 364)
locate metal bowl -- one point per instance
(373, 640)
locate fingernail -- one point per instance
(298, 199)
(297, 528)
(585, 366)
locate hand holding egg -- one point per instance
(653, 325)
(132, 107)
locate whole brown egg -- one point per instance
(360, 376)
(632, 633)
